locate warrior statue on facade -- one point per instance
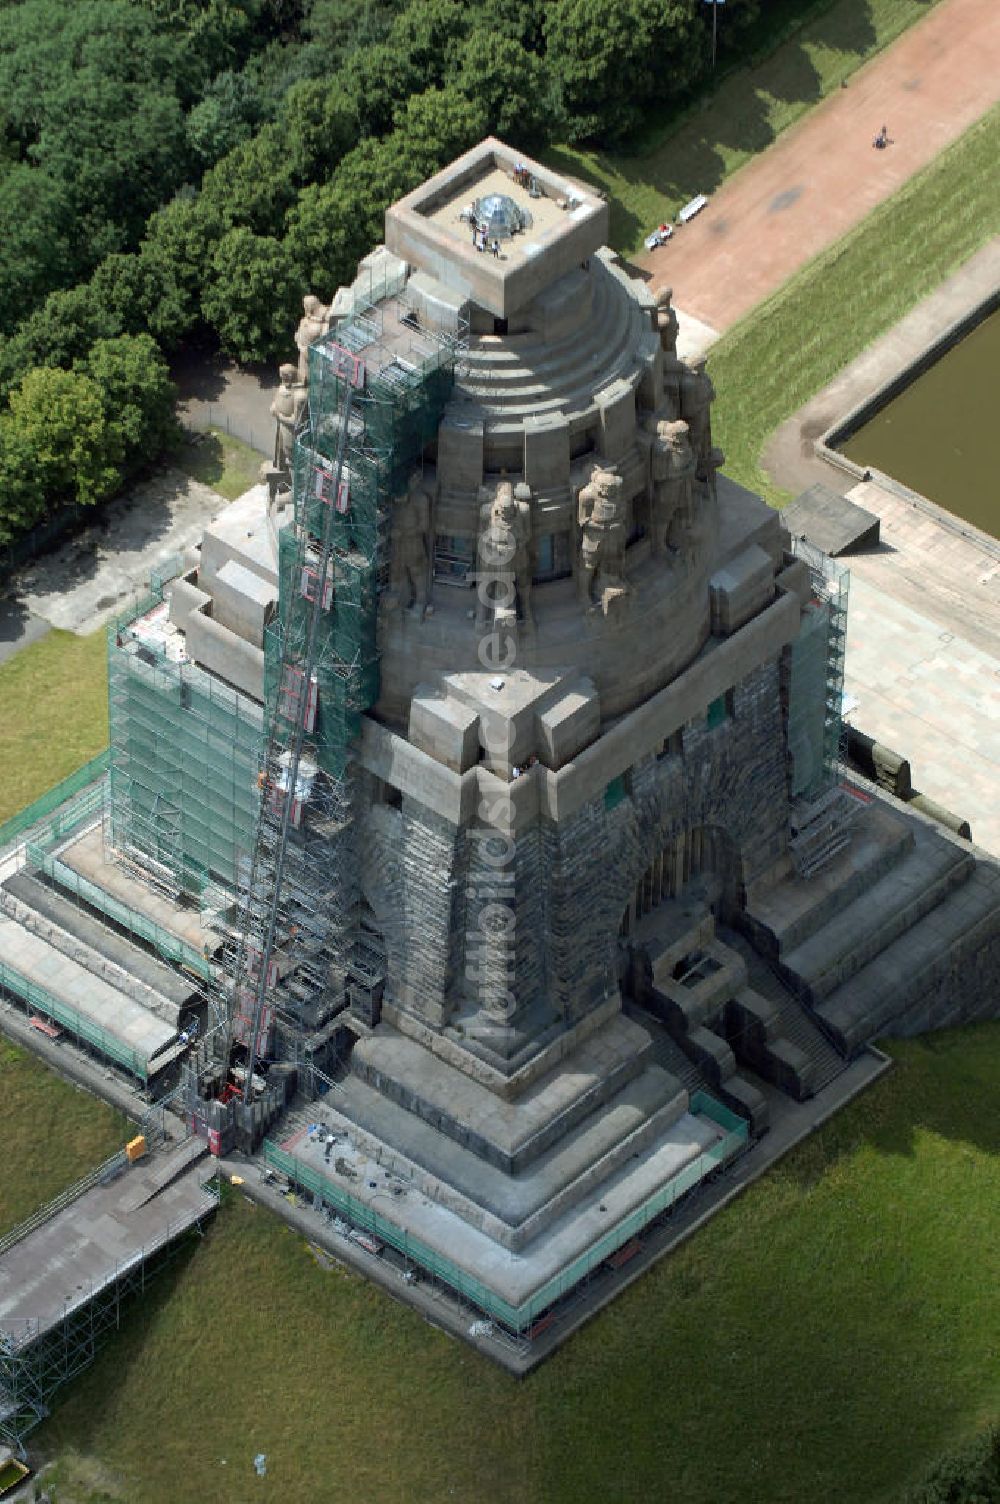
(601, 516)
(411, 521)
(314, 323)
(671, 479)
(503, 555)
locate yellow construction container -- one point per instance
(135, 1148)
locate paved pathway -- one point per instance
(81, 584)
(822, 176)
(18, 627)
(214, 392)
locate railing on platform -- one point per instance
(13, 984)
(36, 1362)
(733, 1139)
(59, 793)
(88, 892)
(105, 1172)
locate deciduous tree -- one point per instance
(137, 396)
(252, 295)
(37, 244)
(60, 431)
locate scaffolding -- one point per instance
(816, 684)
(185, 748)
(36, 1361)
(299, 952)
(822, 809)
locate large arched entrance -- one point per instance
(704, 855)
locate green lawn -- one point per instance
(53, 714)
(54, 693)
(52, 1134)
(657, 174)
(219, 460)
(823, 1339)
(790, 346)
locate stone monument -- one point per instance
(503, 556)
(286, 409)
(313, 325)
(566, 924)
(671, 477)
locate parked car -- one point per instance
(659, 236)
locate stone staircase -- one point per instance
(531, 375)
(823, 960)
(722, 1006)
(907, 890)
(666, 1052)
(794, 1024)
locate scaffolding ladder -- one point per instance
(269, 943)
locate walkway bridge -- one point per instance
(66, 1273)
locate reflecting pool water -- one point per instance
(941, 436)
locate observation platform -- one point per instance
(569, 221)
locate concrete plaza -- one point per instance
(932, 696)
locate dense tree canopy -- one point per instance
(251, 295)
(58, 418)
(608, 61)
(137, 397)
(37, 244)
(179, 169)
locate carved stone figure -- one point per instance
(286, 409)
(665, 324)
(671, 477)
(503, 555)
(696, 397)
(315, 321)
(601, 517)
(411, 522)
(665, 320)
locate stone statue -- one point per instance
(503, 555)
(315, 321)
(601, 516)
(665, 321)
(665, 325)
(411, 523)
(286, 409)
(696, 397)
(671, 476)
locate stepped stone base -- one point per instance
(512, 1271)
(508, 1165)
(506, 1134)
(944, 971)
(604, 1117)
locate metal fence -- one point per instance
(206, 416)
(106, 1171)
(34, 996)
(60, 792)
